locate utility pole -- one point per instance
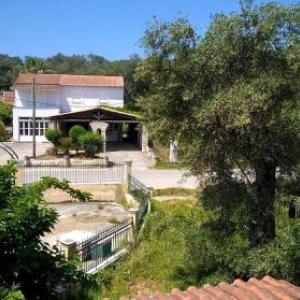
(33, 119)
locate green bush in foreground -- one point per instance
(91, 143)
(11, 294)
(25, 260)
(180, 247)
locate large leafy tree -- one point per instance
(34, 65)
(232, 100)
(9, 69)
(25, 260)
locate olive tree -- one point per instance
(231, 98)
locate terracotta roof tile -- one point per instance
(69, 79)
(7, 97)
(266, 289)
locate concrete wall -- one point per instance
(78, 98)
(27, 113)
(70, 98)
(45, 97)
(100, 192)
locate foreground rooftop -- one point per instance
(266, 289)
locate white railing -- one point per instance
(85, 173)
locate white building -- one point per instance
(61, 95)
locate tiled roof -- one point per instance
(266, 289)
(68, 79)
(7, 97)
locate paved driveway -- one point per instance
(126, 151)
(159, 179)
(23, 149)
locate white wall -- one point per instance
(70, 98)
(78, 98)
(53, 100)
(45, 97)
(27, 113)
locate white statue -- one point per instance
(173, 156)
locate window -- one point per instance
(26, 126)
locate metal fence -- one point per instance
(84, 173)
(105, 247)
(141, 193)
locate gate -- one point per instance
(105, 247)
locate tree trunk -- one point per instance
(262, 227)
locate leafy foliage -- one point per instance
(213, 257)
(75, 133)
(11, 294)
(25, 259)
(179, 248)
(53, 136)
(9, 69)
(230, 99)
(5, 113)
(65, 144)
(3, 133)
(52, 182)
(34, 65)
(91, 143)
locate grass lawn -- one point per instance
(162, 165)
(155, 263)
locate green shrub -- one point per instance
(65, 144)
(75, 134)
(6, 113)
(91, 143)
(12, 293)
(180, 247)
(211, 256)
(3, 133)
(53, 136)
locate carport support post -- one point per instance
(128, 171)
(96, 125)
(144, 139)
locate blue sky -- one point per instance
(111, 28)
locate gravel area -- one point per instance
(85, 217)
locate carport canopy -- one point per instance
(100, 119)
(104, 114)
